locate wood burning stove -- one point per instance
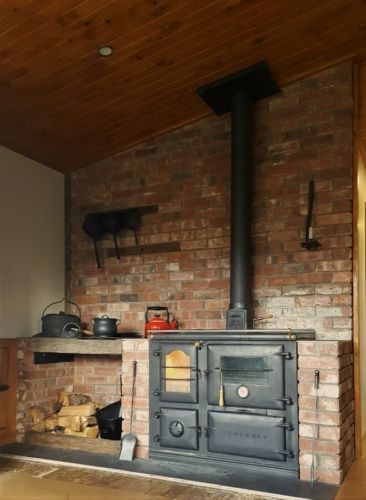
(255, 423)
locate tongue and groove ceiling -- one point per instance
(64, 105)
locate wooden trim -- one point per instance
(76, 346)
(356, 328)
(8, 435)
(169, 246)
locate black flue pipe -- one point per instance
(235, 93)
(241, 188)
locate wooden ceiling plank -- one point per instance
(22, 21)
(127, 96)
(135, 57)
(175, 85)
(76, 17)
(108, 118)
(143, 73)
(69, 138)
(11, 6)
(102, 33)
(29, 39)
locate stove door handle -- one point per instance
(197, 427)
(288, 426)
(208, 429)
(286, 355)
(286, 400)
(250, 412)
(287, 453)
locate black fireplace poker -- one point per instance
(236, 93)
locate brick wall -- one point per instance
(136, 350)
(37, 384)
(304, 133)
(332, 410)
(98, 377)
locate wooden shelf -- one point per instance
(76, 346)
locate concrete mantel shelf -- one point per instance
(76, 346)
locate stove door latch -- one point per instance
(286, 355)
(208, 429)
(287, 453)
(156, 392)
(156, 438)
(288, 401)
(158, 414)
(288, 426)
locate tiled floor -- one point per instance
(253, 480)
(25, 480)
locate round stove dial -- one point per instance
(176, 428)
(243, 391)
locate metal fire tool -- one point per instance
(129, 441)
(309, 242)
(316, 387)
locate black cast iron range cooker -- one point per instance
(229, 396)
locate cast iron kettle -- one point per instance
(157, 322)
(58, 325)
(105, 326)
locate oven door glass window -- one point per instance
(177, 370)
(237, 370)
(249, 375)
(178, 373)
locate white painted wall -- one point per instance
(361, 221)
(32, 242)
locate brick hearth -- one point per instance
(334, 421)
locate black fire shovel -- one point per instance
(128, 442)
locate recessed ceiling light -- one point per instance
(105, 51)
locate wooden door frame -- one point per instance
(12, 344)
(359, 127)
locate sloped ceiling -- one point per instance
(66, 106)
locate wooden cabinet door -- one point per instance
(8, 390)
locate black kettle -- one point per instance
(58, 324)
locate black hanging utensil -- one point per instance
(310, 243)
(133, 221)
(94, 228)
(113, 223)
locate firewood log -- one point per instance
(84, 410)
(51, 422)
(88, 422)
(72, 422)
(39, 413)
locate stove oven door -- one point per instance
(178, 428)
(178, 373)
(247, 435)
(251, 375)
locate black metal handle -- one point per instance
(58, 302)
(286, 355)
(208, 429)
(4, 387)
(287, 426)
(287, 401)
(157, 308)
(286, 453)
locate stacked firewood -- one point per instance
(73, 415)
